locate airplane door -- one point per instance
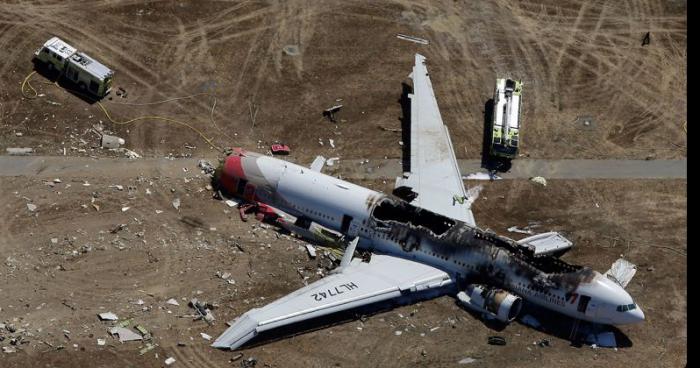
(349, 226)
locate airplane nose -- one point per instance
(637, 315)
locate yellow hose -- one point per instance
(162, 118)
(26, 84)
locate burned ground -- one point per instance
(576, 59)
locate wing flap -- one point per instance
(359, 284)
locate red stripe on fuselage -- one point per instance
(233, 167)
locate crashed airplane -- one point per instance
(423, 240)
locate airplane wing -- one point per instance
(434, 174)
(358, 284)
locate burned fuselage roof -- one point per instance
(414, 227)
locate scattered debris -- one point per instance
(647, 39)
(291, 50)
(421, 41)
(496, 340)
(109, 316)
(331, 161)
(312, 251)
(398, 333)
(395, 130)
(31, 207)
(542, 343)
(202, 310)
(148, 348)
(249, 363)
(330, 113)
(124, 209)
(622, 272)
(331, 142)
(279, 149)
(172, 301)
(515, 229)
(16, 151)
(111, 141)
(8, 349)
(481, 176)
(539, 180)
(206, 166)
(101, 342)
(143, 331)
(169, 361)
(176, 203)
(124, 334)
(205, 336)
(467, 360)
(131, 154)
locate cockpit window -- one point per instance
(626, 307)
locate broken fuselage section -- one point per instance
(471, 256)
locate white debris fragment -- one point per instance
(312, 251)
(331, 142)
(622, 272)
(473, 194)
(515, 229)
(19, 151)
(172, 301)
(169, 361)
(31, 207)
(467, 360)
(101, 342)
(111, 141)
(231, 203)
(117, 186)
(205, 336)
(332, 161)
(124, 209)
(398, 333)
(421, 41)
(57, 180)
(176, 203)
(158, 212)
(131, 154)
(125, 334)
(481, 176)
(9, 349)
(108, 316)
(539, 180)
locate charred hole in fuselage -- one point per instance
(390, 210)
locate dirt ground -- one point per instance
(257, 72)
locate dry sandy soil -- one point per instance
(576, 59)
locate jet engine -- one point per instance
(495, 302)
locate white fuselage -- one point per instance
(348, 208)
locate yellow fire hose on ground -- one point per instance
(27, 85)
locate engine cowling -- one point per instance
(495, 302)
